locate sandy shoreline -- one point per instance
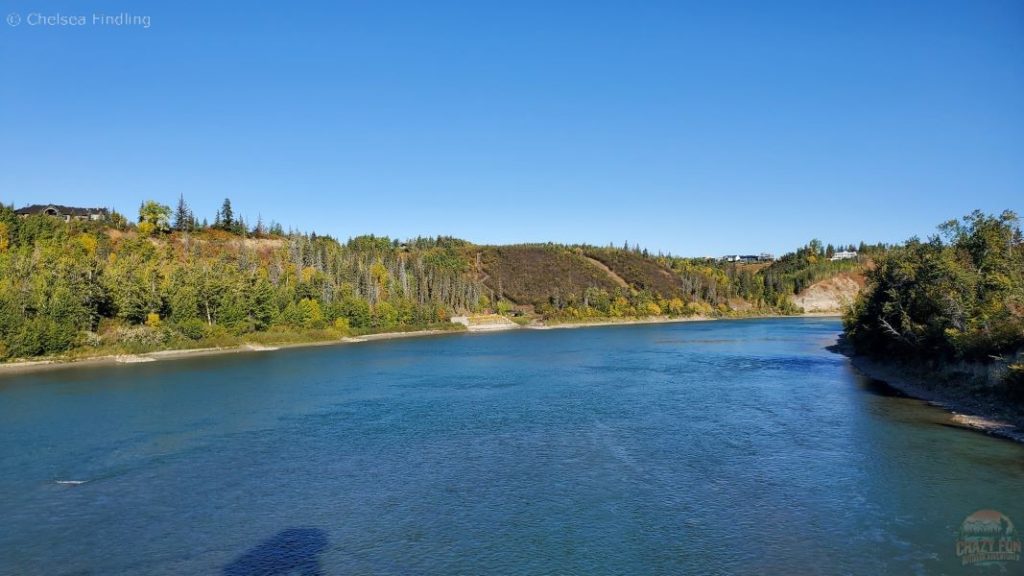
(14, 368)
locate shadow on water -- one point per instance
(292, 552)
(880, 388)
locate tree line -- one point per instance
(956, 296)
(168, 280)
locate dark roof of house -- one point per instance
(63, 210)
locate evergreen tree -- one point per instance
(262, 307)
(183, 219)
(227, 217)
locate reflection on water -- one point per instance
(716, 447)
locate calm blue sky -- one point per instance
(696, 128)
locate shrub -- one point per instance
(652, 309)
(193, 329)
(90, 339)
(40, 336)
(341, 324)
(137, 336)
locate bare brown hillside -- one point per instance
(638, 271)
(532, 274)
(830, 295)
(611, 273)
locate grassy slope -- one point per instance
(529, 274)
(639, 272)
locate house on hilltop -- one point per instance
(65, 213)
(844, 255)
(748, 258)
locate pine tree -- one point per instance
(182, 216)
(227, 217)
(262, 309)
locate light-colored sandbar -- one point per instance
(12, 368)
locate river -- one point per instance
(727, 447)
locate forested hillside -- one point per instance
(169, 280)
(958, 296)
(82, 284)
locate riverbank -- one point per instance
(971, 407)
(669, 320)
(13, 368)
(20, 367)
(617, 322)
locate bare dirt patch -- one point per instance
(611, 273)
(830, 295)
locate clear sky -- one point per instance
(690, 127)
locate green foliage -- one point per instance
(385, 316)
(226, 216)
(184, 220)
(356, 311)
(371, 244)
(193, 329)
(39, 335)
(310, 314)
(958, 296)
(154, 217)
(65, 285)
(262, 305)
(448, 259)
(794, 272)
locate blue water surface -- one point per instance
(730, 447)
